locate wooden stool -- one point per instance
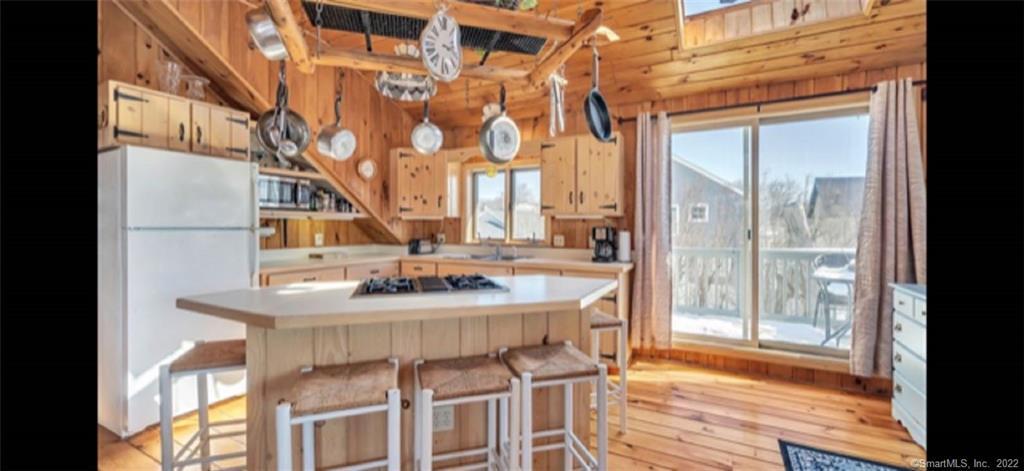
(203, 359)
(462, 381)
(560, 365)
(600, 323)
(336, 391)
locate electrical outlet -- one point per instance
(444, 418)
(318, 239)
(441, 238)
(558, 240)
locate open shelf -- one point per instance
(309, 215)
(284, 172)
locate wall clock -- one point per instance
(367, 169)
(441, 47)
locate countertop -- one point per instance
(303, 305)
(298, 264)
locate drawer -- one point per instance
(920, 310)
(327, 274)
(537, 271)
(419, 269)
(909, 366)
(590, 274)
(372, 270)
(910, 334)
(910, 399)
(444, 269)
(903, 302)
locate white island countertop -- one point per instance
(321, 304)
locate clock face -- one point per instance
(442, 51)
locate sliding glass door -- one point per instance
(806, 173)
(709, 224)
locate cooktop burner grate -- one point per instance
(426, 284)
(384, 24)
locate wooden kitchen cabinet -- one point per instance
(420, 184)
(582, 176)
(372, 270)
(537, 271)
(239, 122)
(418, 269)
(201, 128)
(306, 276)
(444, 269)
(180, 124)
(220, 132)
(558, 176)
(155, 120)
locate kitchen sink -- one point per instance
(504, 258)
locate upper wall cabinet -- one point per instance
(419, 184)
(138, 115)
(582, 176)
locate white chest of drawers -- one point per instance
(909, 359)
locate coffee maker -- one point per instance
(604, 244)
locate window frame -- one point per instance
(469, 215)
(753, 116)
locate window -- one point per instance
(699, 212)
(505, 208)
(696, 7)
(800, 175)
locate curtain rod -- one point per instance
(768, 102)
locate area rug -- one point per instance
(804, 458)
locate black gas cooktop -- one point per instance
(427, 284)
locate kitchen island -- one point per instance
(296, 325)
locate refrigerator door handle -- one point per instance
(254, 238)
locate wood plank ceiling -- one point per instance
(648, 65)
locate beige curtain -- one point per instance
(651, 316)
(891, 242)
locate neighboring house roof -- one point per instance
(676, 158)
(847, 191)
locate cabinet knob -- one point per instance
(374, 271)
(922, 312)
(310, 278)
(581, 197)
(570, 197)
(898, 358)
(898, 327)
(898, 388)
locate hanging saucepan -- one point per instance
(281, 130)
(335, 141)
(426, 136)
(265, 35)
(596, 109)
(499, 136)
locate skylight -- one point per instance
(696, 7)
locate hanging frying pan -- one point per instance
(598, 120)
(426, 136)
(499, 136)
(335, 141)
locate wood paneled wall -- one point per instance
(577, 232)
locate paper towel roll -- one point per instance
(624, 246)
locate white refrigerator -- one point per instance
(170, 224)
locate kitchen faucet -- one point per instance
(488, 242)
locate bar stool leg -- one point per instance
(427, 441)
(394, 429)
(620, 357)
(417, 417)
(204, 419)
(492, 437)
(567, 411)
(308, 447)
(166, 419)
(602, 417)
(527, 421)
(503, 427)
(513, 429)
(283, 419)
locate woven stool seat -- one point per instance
(550, 362)
(335, 387)
(464, 377)
(208, 355)
(601, 320)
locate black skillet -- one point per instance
(598, 120)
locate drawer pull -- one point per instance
(310, 278)
(898, 358)
(237, 121)
(922, 312)
(417, 268)
(181, 132)
(237, 150)
(898, 389)
(898, 327)
(374, 271)
(199, 134)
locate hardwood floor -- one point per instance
(680, 417)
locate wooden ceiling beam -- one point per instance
(470, 14)
(348, 58)
(291, 34)
(584, 30)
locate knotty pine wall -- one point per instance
(577, 232)
(128, 53)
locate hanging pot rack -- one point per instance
(499, 30)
